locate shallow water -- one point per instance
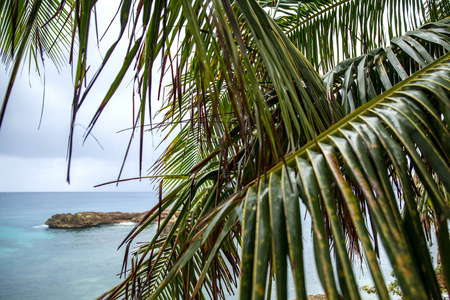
(41, 263)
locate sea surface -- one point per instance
(41, 263)
(37, 262)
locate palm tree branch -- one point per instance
(322, 145)
(354, 81)
(363, 138)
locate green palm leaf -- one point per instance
(330, 31)
(382, 126)
(358, 157)
(49, 36)
(355, 81)
(375, 138)
(38, 29)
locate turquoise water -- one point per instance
(41, 263)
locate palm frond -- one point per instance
(50, 31)
(357, 80)
(364, 146)
(330, 31)
(33, 31)
(392, 132)
(156, 264)
(339, 190)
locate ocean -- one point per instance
(41, 263)
(52, 264)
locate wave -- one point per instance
(43, 226)
(125, 224)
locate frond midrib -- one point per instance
(289, 160)
(320, 12)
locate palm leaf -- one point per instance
(156, 264)
(327, 171)
(355, 81)
(38, 28)
(391, 132)
(330, 31)
(50, 31)
(362, 140)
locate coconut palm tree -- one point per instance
(257, 132)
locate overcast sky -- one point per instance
(35, 160)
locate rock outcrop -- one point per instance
(317, 297)
(91, 218)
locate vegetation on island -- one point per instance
(340, 106)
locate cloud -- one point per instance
(48, 174)
(35, 160)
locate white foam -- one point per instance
(43, 226)
(125, 224)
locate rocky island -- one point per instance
(92, 218)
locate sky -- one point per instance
(33, 158)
